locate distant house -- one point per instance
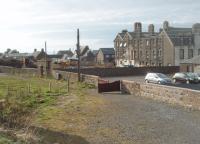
(105, 56)
(87, 57)
(68, 53)
(95, 52)
(191, 65)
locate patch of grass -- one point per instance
(7, 140)
(22, 96)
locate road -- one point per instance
(141, 79)
(128, 119)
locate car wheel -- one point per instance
(174, 80)
(146, 81)
(187, 82)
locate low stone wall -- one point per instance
(13, 70)
(181, 96)
(110, 72)
(90, 79)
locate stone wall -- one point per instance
(25, 71)
(110, 72)
(181, 96)
(90, 79)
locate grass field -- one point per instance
(47, 103)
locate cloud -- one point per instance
(26, 24)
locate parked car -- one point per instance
(185, 78)
(158, 78)
(197, 75)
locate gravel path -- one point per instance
(127, 119)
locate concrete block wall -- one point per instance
(181, 96)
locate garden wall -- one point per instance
(110, 72)
(90, 79)
(181, 96)
(13, 70)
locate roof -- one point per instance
(55, 56)
(95, 52)
(180, 36)
(143, 34)
(194, 60)
(108, 51)
(63, 52)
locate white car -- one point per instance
(158, 78)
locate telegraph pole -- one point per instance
(46, 58)
(78, 54)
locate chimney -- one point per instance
(138, 27)
(42, 50)
(166, 25)
(151, 29)
(124, 31)
(35, 50)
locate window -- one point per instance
(198, 51)
(135, 54)
(160, 53)
(132, 55)
(190, 53)
(181, 54)
(140, 53)
(147, 42)
(147, 54)
(154, 54)
(107, 56)
(125, 44)
(120, 44)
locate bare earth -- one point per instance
(127, 119)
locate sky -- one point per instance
(27, 24)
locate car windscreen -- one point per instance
(161, 75)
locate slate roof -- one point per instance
(107, 51)
(181, 36)
(55, 56)
(67, 52)
(143, 34)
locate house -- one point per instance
(191, 65)
(106, 56)
(168, 47)
(138, 48)
(180, 44)
(68, 53)
(87, 58)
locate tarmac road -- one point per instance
(141, 79)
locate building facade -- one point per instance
(106, 56)
(168, 47)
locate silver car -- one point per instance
(158, 78)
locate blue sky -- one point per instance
(26, 24)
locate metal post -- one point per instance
(78, 54)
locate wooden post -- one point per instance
(68, 82)
(7, 90)
(49, 86)
(78, 54)
(29, 88)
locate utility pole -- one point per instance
(45, 58)
(78, 54)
